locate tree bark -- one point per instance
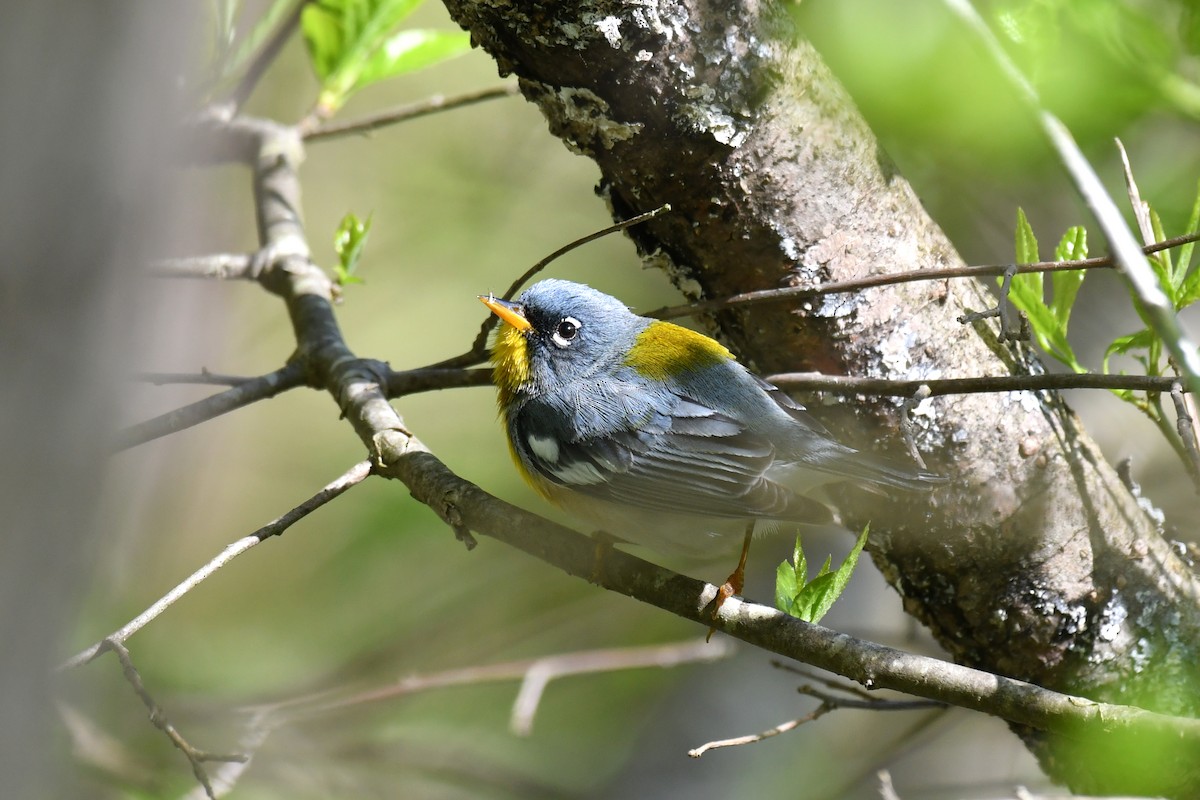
(1035, 561)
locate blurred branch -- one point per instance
(534, 674)
(352, 477)
(393, 116)
(263, 387)
(908, 276)
(224, 266)
(203, 377)
(195, 757)
(254, 73)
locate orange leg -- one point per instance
(734, 583)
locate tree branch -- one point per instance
(432, 105)
(195, 757)
(352, 477)
(850, 384)
(289, 376)
(224, 266)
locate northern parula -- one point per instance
(655, 433)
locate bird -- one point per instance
(656, 434)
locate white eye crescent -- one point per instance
(566, 331)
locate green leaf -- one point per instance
(1161, 261)
(411, 50)
(1027, 292)
(1189, 288)
(348, 242)
(1027, 245)
(810, 600)
(786, 587)
(1065, 283)
(353, 43)
(1139, 340)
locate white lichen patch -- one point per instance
(668, 20)
(1112, 618)
(895, 352)
(610, 29)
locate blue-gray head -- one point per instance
(558, 332)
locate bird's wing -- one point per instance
(681, 456)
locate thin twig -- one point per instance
(478, 351)
(264, 387)
(419, 109)
(195, 756)
(849, 384)
(352, 477)
(427, 379)
(1013, 327)
(266, 57)
(832, 683)
(870, 703)
(891, 278)
(223, 266)
(829, 702)
(203, 377)
(1185, 425)
(752, 738)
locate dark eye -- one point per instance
(566, 331)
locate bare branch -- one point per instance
(352, 477)
(224, 266)
(873, 665)
(195, 757)
(413, 381)
(422, 108)
(850, 384)
(289, 376)
(737, 741)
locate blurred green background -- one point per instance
(373, 587)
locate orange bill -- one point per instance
(510, 312)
